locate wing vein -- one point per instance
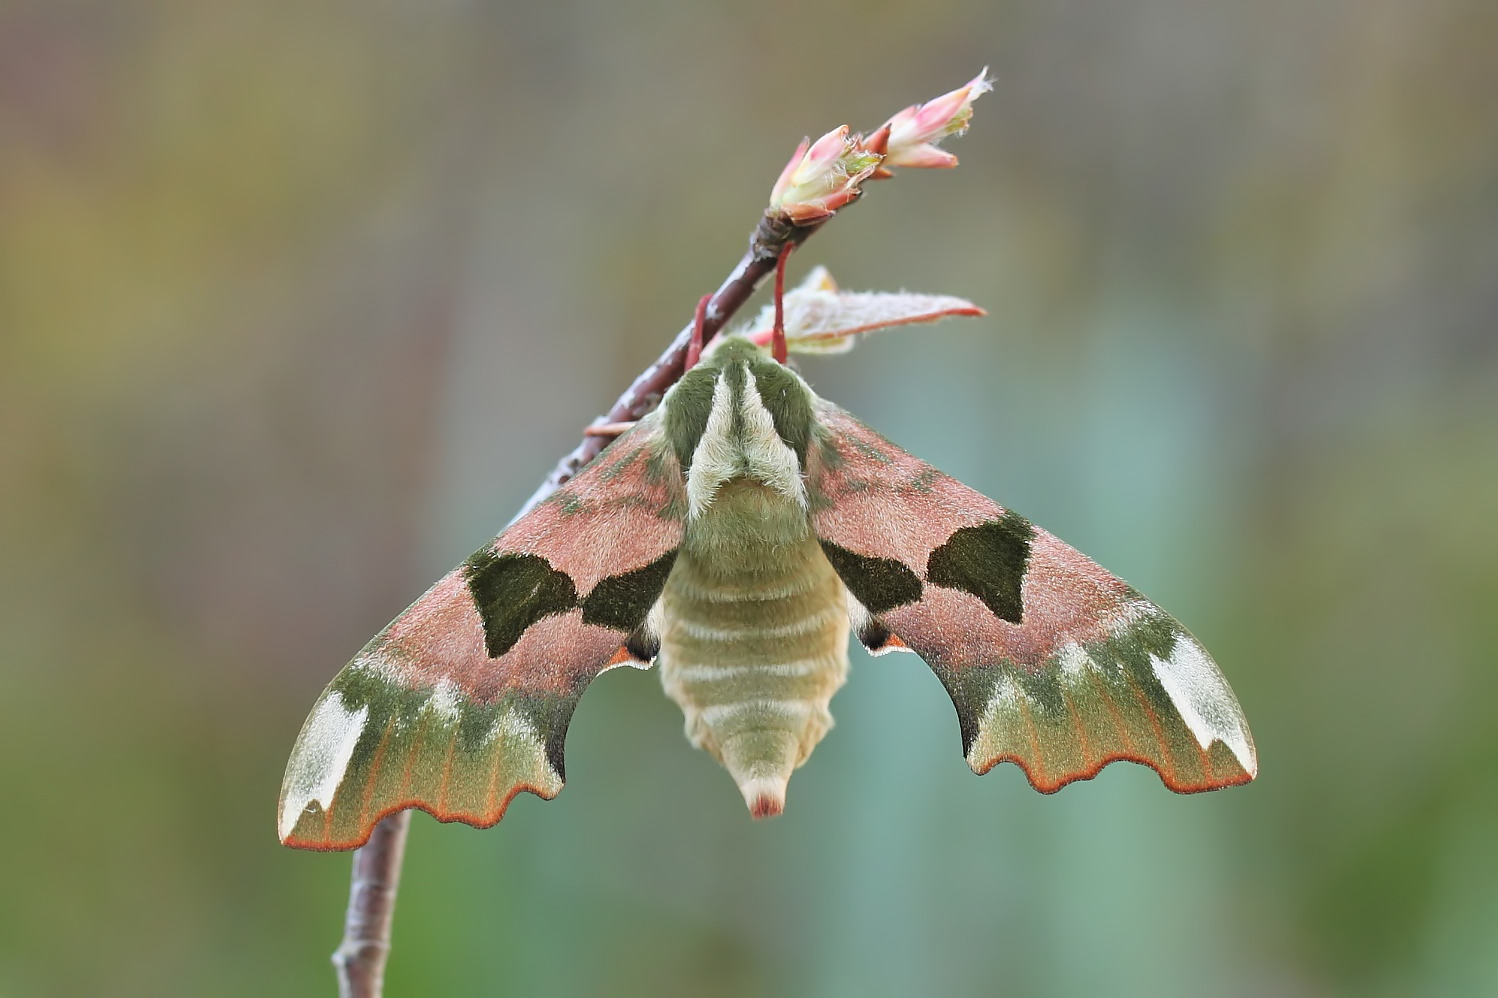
(1084, 743)
(1126, 740)
(1167, 760)
(447, 771)
(1038, 762)
(491, 792)
(375, 765)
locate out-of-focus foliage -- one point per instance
(298, 301)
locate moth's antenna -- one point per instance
(694, 348)
(777, 341)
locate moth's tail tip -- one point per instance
(761, 763)
(765, 796)
(766, 807)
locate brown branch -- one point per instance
(360, 958)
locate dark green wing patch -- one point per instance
(622, 601)
(512, 592)
(880, 584)
(989, 561)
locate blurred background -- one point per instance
(299, 301)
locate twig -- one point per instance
(360, 958)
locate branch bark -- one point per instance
(360, 958)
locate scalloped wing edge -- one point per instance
(1148, 694)
(434, 749)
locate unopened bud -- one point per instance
(823, 176)
(915, 131)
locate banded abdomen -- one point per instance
(754, 638)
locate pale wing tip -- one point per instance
(319, 760)
(1205, 701)
(285, 823)
(1251, 763)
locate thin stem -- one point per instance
(777, 335)
(694, 348)
(360, 958)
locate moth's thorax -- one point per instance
(754, 637)
(739, 414)
(747, 529)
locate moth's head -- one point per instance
(739, 414)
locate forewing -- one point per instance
(463, 701)
(1051, 662)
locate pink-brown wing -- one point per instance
(463, 700)
(1051, 662)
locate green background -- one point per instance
(299, 301)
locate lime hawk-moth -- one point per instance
(734, 536)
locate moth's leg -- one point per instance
(777, 340)
(694, 348)
(607, 429)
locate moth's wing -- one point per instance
(1051, 662)
(463, 701)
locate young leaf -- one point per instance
(820, 318)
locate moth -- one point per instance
(734, 538)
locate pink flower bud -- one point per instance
(823, 176)
(914, 132)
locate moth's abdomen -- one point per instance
(753, 645)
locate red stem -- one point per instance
(694, 349)
(777, 336)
